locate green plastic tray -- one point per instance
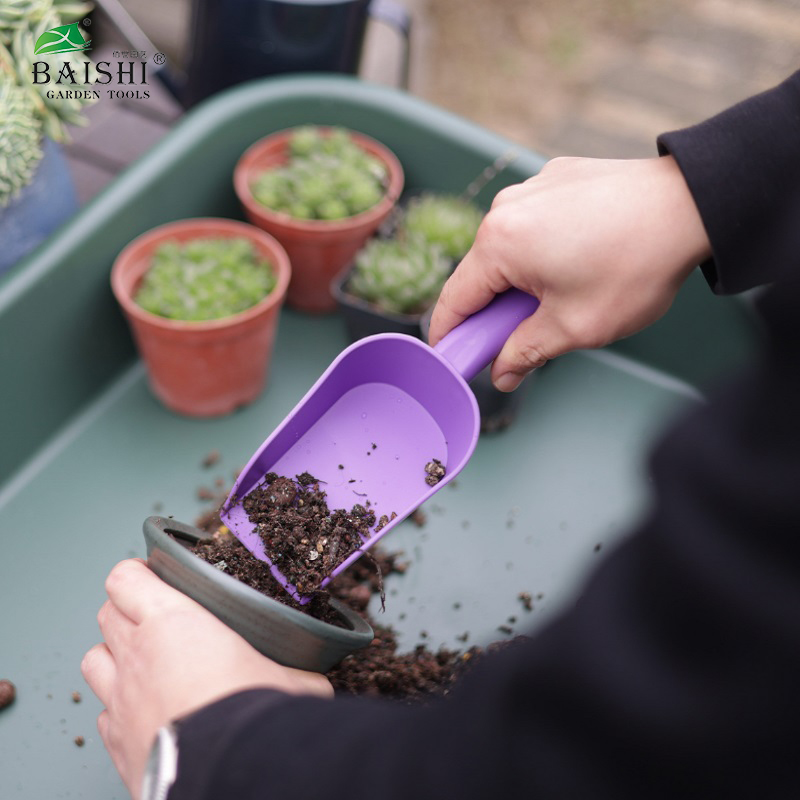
(87, 453)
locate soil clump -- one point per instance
(302, 537)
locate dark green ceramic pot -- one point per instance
(284, 634)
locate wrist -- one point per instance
(691, 245)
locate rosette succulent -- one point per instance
(19, 139)
(206, 278)
(26, 112)
(328, 176)
(444, 220)
(403, 276)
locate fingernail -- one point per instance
(508, 381)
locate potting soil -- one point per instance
(378, 669)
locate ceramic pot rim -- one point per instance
(358, 635)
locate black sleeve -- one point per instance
(675, 675)
(743, 169)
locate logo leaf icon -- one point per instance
(63, 39)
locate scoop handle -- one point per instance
(474, 344)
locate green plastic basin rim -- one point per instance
(280, 632)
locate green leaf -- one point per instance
(63, 39)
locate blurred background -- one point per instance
(580, 77)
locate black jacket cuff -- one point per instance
(208, 741)
(743, 170)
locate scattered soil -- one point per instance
(211, 459)
(506, 629)
(8, 693)
(378, 669)
(410, 677)
(434, 472)
(419, 518)
(497, 422)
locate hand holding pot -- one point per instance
(605, 245)
(164, 656)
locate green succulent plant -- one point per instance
(21, 14)
(444, 220)
(21, 23)
(206, 278)
(399, 275)
(20, 152)
(328, 177)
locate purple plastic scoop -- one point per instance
(387, 406)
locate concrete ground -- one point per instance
(582, 77)
(596, 77)
(602, 78)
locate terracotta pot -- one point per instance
(284, 634)
(318, 249)
(206, 368)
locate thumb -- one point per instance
(467, 290)
(533, 343)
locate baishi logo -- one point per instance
(64, 39)
(76, 79)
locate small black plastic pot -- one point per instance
(280, 632)
(364, 319)
(498, 409)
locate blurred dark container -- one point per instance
(240, 40)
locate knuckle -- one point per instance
(498, 226)
(584, 331)
(558, 163)
(114, 579)
(503, 196)
(120, 575)
(530, 356)
(88, 662)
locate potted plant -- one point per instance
(394, 280)
(36, 190)
(390, 285)
(321, 192)
(202, 297)
(277, 630)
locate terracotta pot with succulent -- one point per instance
(36, 191)
(321, 192)
(202, 297)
